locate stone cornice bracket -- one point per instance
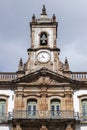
(43, 127)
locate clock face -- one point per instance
(43, 56)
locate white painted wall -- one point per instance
(10, 100)
(83, 127)
(76, 99)
(5, 127)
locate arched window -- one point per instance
(43, 38)
(84, 109)
(55, 107)
(31, 107)
(2, 108)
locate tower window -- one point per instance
(43, 38)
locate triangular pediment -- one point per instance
(43, 77)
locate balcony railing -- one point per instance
(7, 76)
(79, 76)
(3, 117)
(43, 115)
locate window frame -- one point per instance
(82, 98)
(4, 97)
(54, 104)
(32, 106)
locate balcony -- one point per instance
(43, 115)
(3, 117)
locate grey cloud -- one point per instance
(15, 34)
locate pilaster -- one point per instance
(19, 98)
(43, 103)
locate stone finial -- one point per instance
(66, 65)
(20, 62)
(20, 66)
(54, 18)
(43, 10)
(33, 18)
(66, 61)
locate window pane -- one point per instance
(34, 110)
(52, 109)
(55, 107)
(29, 109)
(84, 109)
(2, 108)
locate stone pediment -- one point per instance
(43, 77)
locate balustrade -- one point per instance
(7, 76)
(79, 75)
(44, 115)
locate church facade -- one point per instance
(44, 94)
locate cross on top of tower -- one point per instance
(43, 10)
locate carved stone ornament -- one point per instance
(18, 127)
(43, 128)
(69, 127)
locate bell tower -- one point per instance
(43, 30)
(43, 51)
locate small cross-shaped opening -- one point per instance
(43, 39)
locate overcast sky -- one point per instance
(15, 16)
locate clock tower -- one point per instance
(43, 51)
(43, 90)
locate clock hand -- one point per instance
(43, 56)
